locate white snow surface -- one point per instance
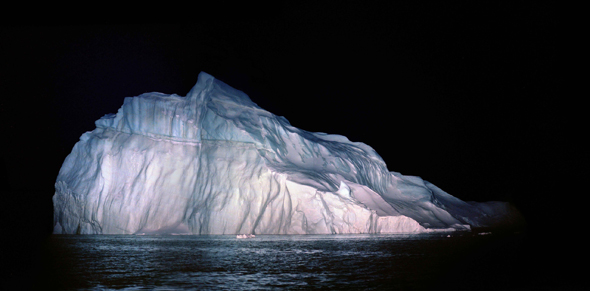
(213, 162)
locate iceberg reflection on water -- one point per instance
(354, 262)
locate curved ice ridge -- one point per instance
(214, 162)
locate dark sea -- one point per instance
(430, 261)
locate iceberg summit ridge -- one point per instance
(214, 162)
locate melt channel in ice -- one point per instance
(213, 162)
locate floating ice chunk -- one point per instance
(245, 236)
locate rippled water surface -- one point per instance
(267, 262)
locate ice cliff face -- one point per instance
(214, 162)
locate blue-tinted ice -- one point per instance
(214, 162)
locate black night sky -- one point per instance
(469, 97)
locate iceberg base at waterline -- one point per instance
(213, 162)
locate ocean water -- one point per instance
(432, 261)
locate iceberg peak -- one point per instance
(208, 87)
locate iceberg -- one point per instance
(214, 162)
